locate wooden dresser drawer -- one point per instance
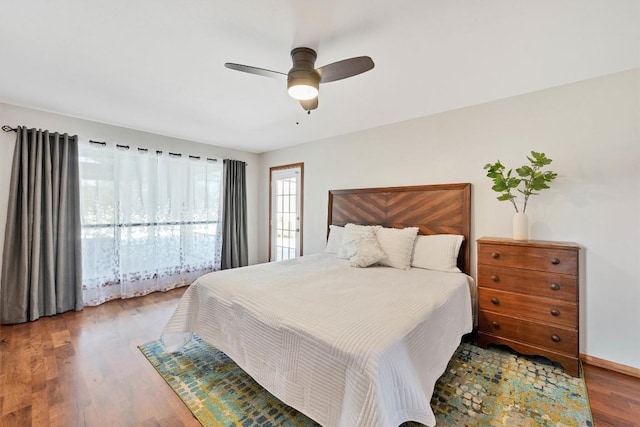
(547, 310)
(529, 257)
(540, 283)
(552, 337)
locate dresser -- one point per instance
(528, 298)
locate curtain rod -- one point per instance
(10, 129)
(126, 147)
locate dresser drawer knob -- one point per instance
(555, 261)
(555, 338)
(555, 312)
(495, 255)
(495, 324)
(554, 287)
(495, 278)
(495, 301)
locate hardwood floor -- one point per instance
(614, 397)
(84, 369)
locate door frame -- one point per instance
(277, 168)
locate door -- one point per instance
(285, 218)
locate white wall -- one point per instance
(591, 131)
(13, 116)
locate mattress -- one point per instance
(345, 346)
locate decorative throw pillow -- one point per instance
(397, 244)
(437, 252)
(353, 236)
(368, 252)
(335, 239)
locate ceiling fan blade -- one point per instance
(309, 104)
(255, 70)
(345, 68)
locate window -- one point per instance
(285, 234)
(149, 220)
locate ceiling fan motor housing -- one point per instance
(303, 72)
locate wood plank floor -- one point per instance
(84, 369)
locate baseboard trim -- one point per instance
(612, 366)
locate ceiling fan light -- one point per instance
(302, 92)
(303, 85)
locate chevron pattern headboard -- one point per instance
(434, 209)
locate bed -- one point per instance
(345, 346)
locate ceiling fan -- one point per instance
(303, 79)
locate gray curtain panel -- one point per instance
(234, 215)
(41, 263)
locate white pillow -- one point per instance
(397, 244)
(437, 252)
(368, 253)
(353, 236)
(335, 239)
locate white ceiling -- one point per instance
(157, 65)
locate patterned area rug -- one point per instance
(479, 388)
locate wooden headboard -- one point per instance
(434, 209)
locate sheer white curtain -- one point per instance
(150, 221)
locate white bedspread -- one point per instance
(345, 346)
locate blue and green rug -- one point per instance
(479, 388)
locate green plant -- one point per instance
(532, 176)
